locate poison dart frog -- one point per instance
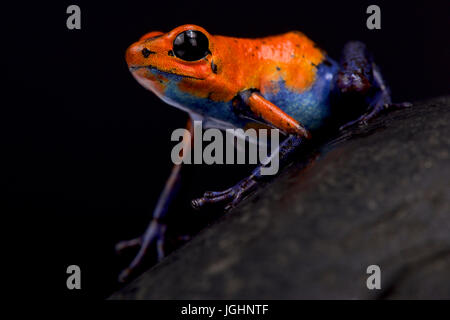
(285, 81)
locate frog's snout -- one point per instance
(136, 54)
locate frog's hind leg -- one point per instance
(360, 77)
(155, 232)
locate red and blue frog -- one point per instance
(284, 81)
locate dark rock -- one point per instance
(377, 195)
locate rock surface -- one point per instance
(378, 195)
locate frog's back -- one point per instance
(293, 73)
(310, 106)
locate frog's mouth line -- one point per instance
(135, 68)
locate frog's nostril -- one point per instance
(145, 52)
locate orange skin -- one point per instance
(242, 64)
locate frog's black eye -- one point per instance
(191, 45)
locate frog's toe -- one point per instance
(375, 110)
(155, 233)
(230, 197)
(401, 105)
(360, 121)
(378, 108)
(127, 244)
(236, 200)
(124, 275)
(210, 197)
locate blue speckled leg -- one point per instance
(360, 76)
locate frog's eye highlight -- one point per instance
(191, 45)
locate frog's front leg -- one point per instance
(360, 76)
(232, 196)
(259, 108)
(155, 232)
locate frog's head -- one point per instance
(180, 60)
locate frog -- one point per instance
(283, 81)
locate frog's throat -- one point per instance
(149, 67)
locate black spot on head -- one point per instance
(278, 68)
(213, 67)
(145, 52)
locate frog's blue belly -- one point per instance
(310, 107)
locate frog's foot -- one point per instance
(231, 196)
(154, 233)
(375, 110)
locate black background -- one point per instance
(88, 150)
